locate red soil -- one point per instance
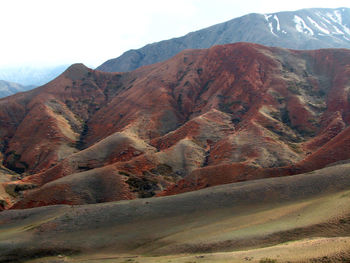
(205, 117)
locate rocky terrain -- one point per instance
(207, 117)
(303, 29)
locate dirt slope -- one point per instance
(231, 217)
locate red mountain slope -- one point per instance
(205, 117)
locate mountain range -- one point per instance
(9, 88)
(303, 29)
(31, 75)
(205, 117)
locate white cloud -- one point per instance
(67, 31)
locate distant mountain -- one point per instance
(28, 75)
(9, 88)
(303, 29)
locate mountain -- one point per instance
(31, 76)
(227, 114)
(303, 29)
(9, 88)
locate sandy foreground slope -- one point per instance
(292, 218)
(309, 250)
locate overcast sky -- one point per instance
(52, 32)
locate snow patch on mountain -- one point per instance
(278, 22)
(339, 16)
(315, 24)
(323, 18)
(301, 26)
(267, 17)
(337, 31)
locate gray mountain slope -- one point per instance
(31, 75)
(8, 88)
(303, 29)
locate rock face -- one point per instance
(205, 117)
(302, 29)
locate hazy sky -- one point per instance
(51, 32)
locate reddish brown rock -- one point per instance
(205, 117)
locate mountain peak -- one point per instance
(76, 71)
